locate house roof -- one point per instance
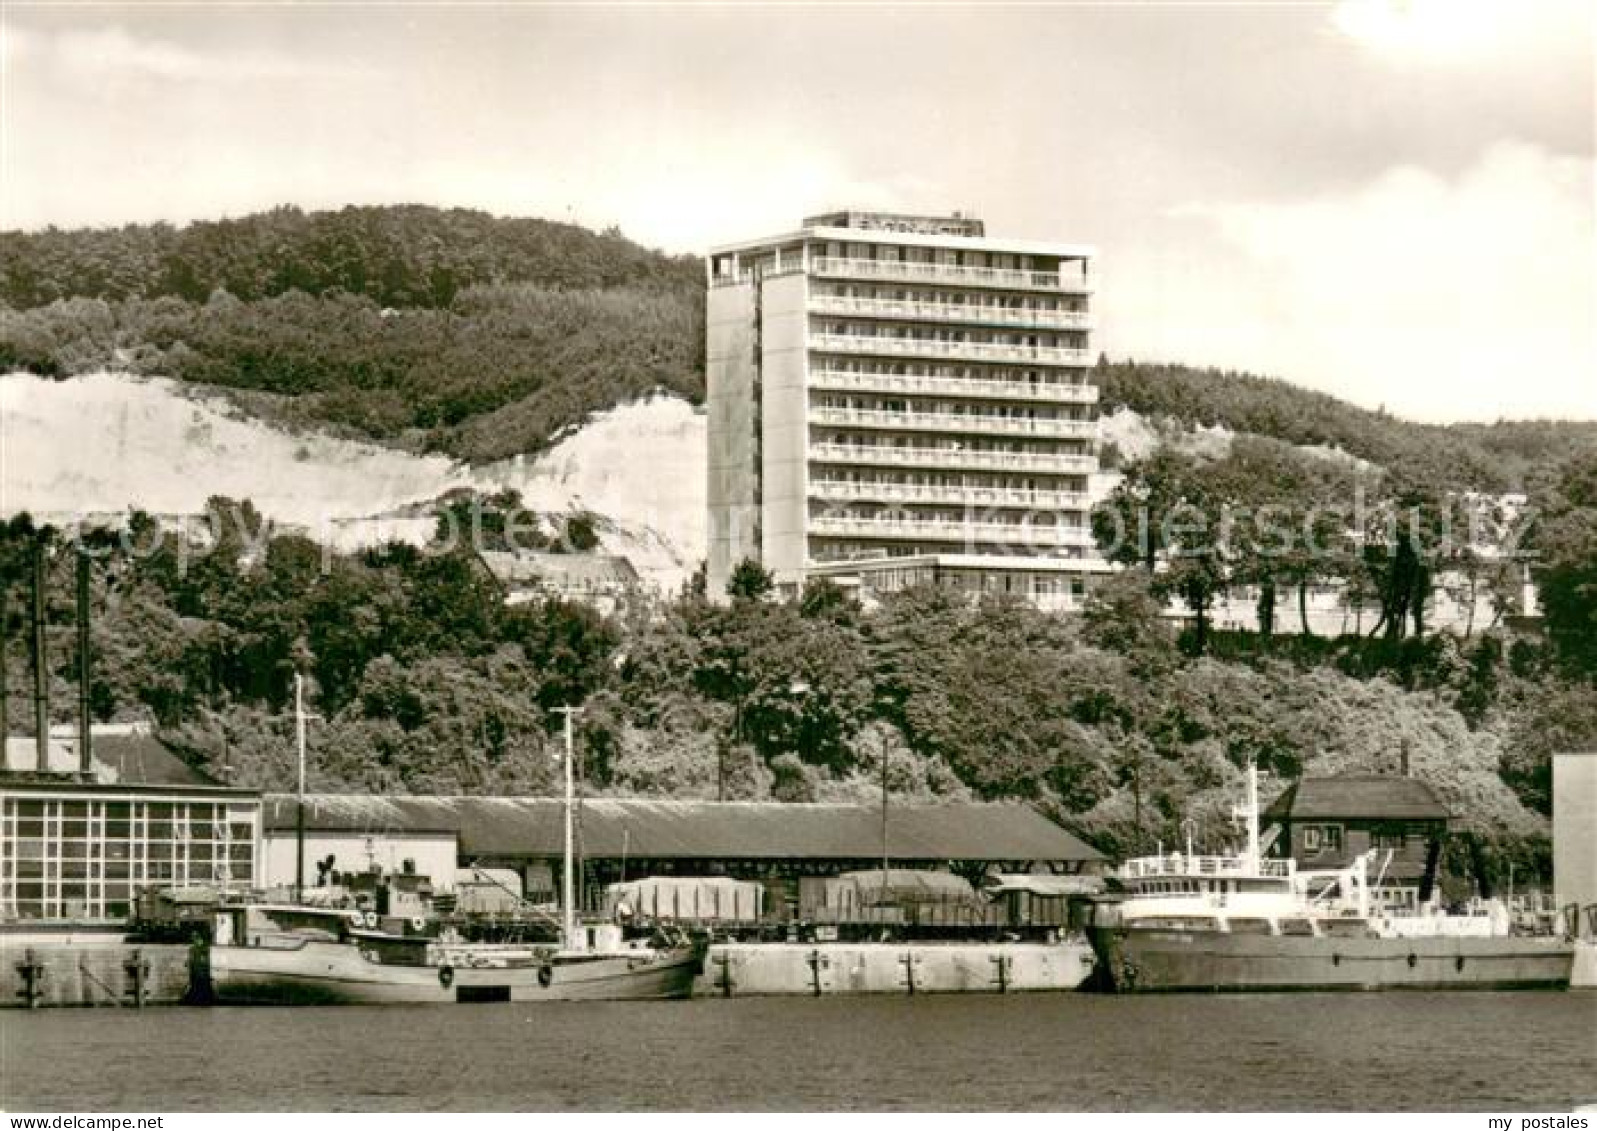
(1375, 797)
(532, 827)
(122, 755)
(561, 571)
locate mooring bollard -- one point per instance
(138, 971)
(1001, 961)
(199, 987)
(724, 961)
(33, 973)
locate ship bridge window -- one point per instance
(1322, 838)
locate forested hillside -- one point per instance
(480, 338)
(1505, 456)
(425, 681)
(458, 332)
(400, 256)
(436, 330)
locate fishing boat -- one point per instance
(1244, 922)
(295, 953)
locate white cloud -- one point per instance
(99, 56)
(1461, 31)
(1442, 299)
(671, 194)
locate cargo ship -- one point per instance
(1243, 922)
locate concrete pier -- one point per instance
(38, 971)
(815, 969)
(1584, 976)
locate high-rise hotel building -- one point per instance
(899, 399)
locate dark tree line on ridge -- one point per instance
(483, 337)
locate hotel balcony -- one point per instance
(943, 530)
(954, 422)
(947, 273)
(843, 490)
(881, 344)
(824, 378)
(951, 312)
(881, 455)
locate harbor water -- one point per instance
(1383, 1052)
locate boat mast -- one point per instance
(568, 922)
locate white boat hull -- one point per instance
(334, 973)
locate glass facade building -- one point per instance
(81, 852)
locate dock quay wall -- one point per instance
(1584, 976)
(817, 969)
(39, 972)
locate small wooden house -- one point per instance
(1325, 823)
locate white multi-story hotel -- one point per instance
(900, 399)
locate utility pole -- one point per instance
(1136, 798)
(299, 794)
(885, 751)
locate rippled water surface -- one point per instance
(1047, 1052)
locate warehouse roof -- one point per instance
(520, 826)
(1373, 797)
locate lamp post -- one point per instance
(300, 719)
(720, 750)
(737, 730)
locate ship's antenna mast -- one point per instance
(1253, 816)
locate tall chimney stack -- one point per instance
(85, 728)
(41, 675)
(5, 686)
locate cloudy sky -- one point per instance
(1391, 200)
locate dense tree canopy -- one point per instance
(1564, 540)
(426, 681)
(484, 338)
